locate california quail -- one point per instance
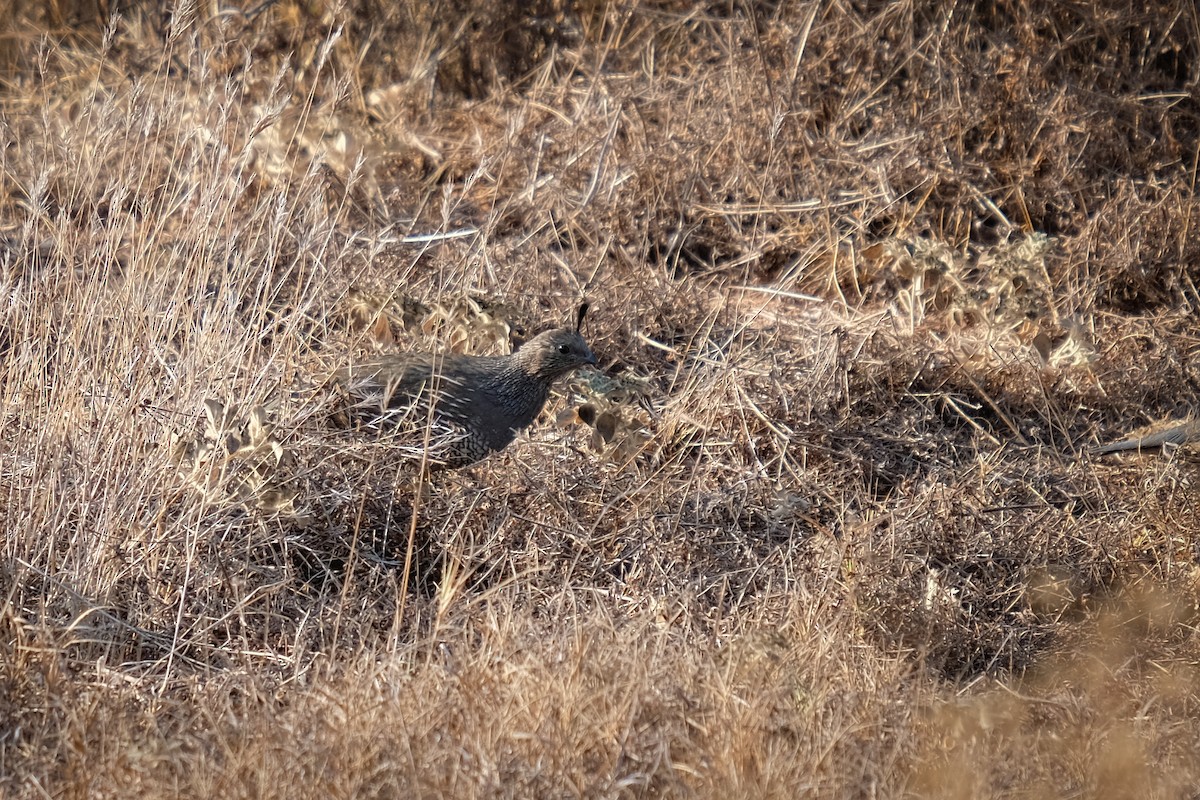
(473, 405)
(1177, 435)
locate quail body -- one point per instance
(1178, 435)
(473, 406)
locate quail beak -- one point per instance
(591, 359)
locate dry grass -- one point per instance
(867, 280)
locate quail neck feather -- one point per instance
(477, 404)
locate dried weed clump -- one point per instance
(867, 279)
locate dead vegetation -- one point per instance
(868, 278)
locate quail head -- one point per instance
(466, 407)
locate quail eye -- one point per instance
(564, 349)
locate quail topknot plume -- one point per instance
(473, 406)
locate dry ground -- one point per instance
(868, 279)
